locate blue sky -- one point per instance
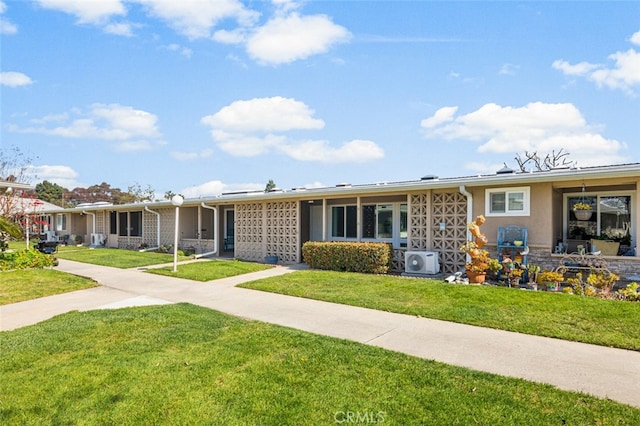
(202, 97)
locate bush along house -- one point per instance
(424, 217)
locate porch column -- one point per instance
(324, 219)
(358, 216)
(635, 223)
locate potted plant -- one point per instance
(582, 211)
(550, 279)
(494, 268)
(479, 264)
(532, 272)
(271, 259)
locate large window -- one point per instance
(507, 202)
(135, 219)
(610, 218)
(113, 223)
(379, 222)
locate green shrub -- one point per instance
(372, 258)
(25, 259)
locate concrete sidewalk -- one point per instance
(597, 370)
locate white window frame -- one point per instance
(526, 201)
(397, 240)
(61, 222)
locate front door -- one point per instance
(229, 230)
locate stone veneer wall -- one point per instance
(627, 267)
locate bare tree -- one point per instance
(549, 161)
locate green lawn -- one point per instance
(118, 258)
(585, 319)
(17, 286)
(183, 364)
(211, 269)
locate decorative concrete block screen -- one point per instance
(427, 212)
(267, 228)
(150, 228)
(282, 230)
(249, 225)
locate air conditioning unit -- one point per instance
(421, 262)
(97, 240)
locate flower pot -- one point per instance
(476, 277)
(583, 214)
(271, 259)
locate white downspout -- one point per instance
(469, 196)
(215, 232)
(93, 225)
(147, 209)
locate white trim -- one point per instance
(526, 201)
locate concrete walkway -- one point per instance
(597, 370)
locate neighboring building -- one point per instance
(426, 214)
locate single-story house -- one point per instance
(426, 214)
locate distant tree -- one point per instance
(14, 167)
(548, 162)
(270, 185)
(139, 194)
(50, 192)
(169, 195)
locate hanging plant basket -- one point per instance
(583, 214)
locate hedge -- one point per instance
(371, 258)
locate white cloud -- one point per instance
(256, 127)
(356, 151)
(442, 115)
(189, 156)
(6, 26)
(14, 79)
(87, 12)
(536, 126)
(64, 176)
(285, 39)
(195, 18)
(130, 128)
(624, 74)
(508, 69)
(581, 68)
(216, 187)
(184, 51)
(121, 28)
(264, 114)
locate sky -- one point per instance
(202, 97)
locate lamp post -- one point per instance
(177, 201)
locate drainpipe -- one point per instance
(93, 229)
(147, 209)
(215, 231)
(469, 196)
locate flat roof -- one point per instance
(429, 182)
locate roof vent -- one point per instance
(343, 185)
(505, 170)
(429, 177)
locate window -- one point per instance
(611, 218)
(123, 225)
(507, 202)
(344, 221)
(61, 222)
(380, 222)
(135, 219)
(113, 223)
